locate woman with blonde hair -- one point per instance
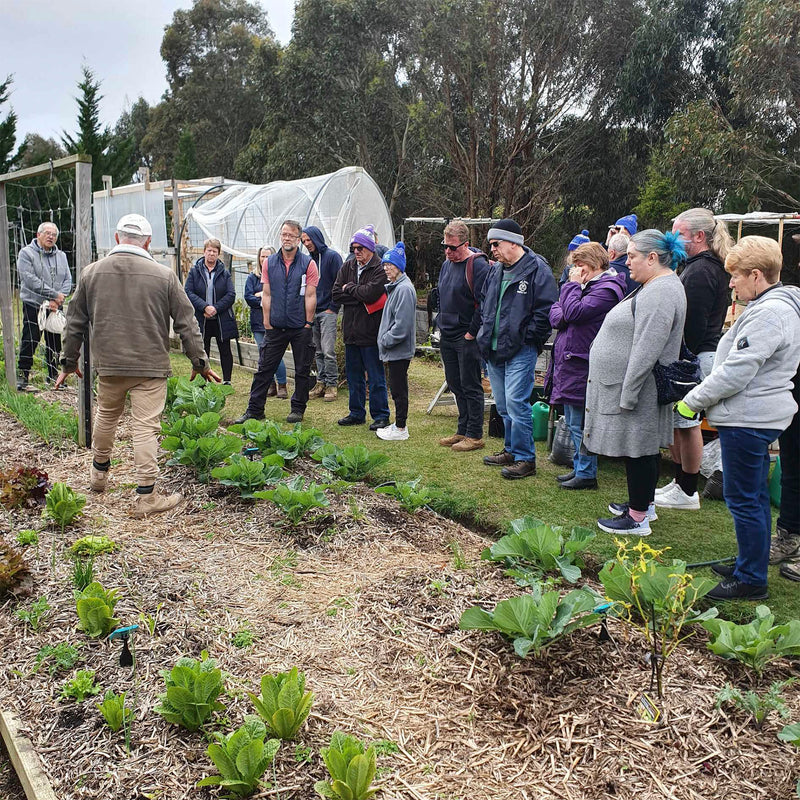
(748, 399)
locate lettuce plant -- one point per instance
(63, 505)
(283, 704)
(534, 621)
(92, 546)
(80, 687)
(13, 567)
(114, 711)
(203, 454)
(248, 476)
(295, 499)
(410, 497)
(532, 548)
(757, 643)
(353, 463)
(192, 691)
(95, 606)
(351, 767)
(23, 487)
(241, 757)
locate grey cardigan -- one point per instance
(42, 275)
(623, 417)
(397, 333)
(756, 361)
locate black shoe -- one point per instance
(295, 416)
(22, 382)
(564, 478)
(351, 420)
(580, 483)
(379, 423)
(246, 416)
(732, 589)
(723, 570)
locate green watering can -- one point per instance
(540, 413)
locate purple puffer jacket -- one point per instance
(577, 316)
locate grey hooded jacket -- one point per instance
(756, 361)
(42, 275)
(397, 333)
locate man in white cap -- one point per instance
(128, 299)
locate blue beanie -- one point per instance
(396, 256)
(629, 222)
(578, 240)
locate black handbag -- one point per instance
(674, 381)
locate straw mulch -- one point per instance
(365, 599)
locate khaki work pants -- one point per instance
(148, 396)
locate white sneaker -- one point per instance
(618, 509)
(667, 488)
(677, 498)
(391, 433)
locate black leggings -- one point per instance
(398, 386)
(211, 331)
(642, 474)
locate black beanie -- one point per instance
(506, 230)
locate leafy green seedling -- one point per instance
(408, 494)
(92, 546)
(532, 548)
(249, 476)
(353, 463)
(198, 397)
(63, 505)
(283, 704)
(757, 643)
(28, 537)
(534, 621)
(58, 657)
(204, 453)
(95, 606)
(295, 499)
(191, 426)
(351, 767)
(791, 734)
(245, 636)
(80, 687)
(242, 757)
(758, 705)
(114, 711)
(34, 615)
(192, 691)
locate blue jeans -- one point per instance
(324, 330)
(357, 361)
(280, 373)
(585, 466)
(745, 470)
(512, 384)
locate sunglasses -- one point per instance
(494, 244)
(453, 246)
(357, 248)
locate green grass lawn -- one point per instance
(478, 493)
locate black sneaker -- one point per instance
(295, 416)
(351, 420)
(733, 589)
(246, 416)
(723, 570)
(379, 423)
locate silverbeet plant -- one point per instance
(531, 548)
(351, 767)
(296, 498)
(192, 690)
(203, 454)
(196, 397)
(283, 704)
(408, 494)
(241, 757)
(249, 476)
(536, 620)
(353, 463)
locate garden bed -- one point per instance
(365, 599)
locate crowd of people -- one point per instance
(625, 312)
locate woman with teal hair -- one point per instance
(623, 417)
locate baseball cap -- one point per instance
(135, 224)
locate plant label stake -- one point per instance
(647, 709)
(250, 452)
(125, 656)
(604, 635)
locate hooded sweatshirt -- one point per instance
(328, 262)
(42, 274)
(755, 364)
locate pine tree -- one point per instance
(8, 133)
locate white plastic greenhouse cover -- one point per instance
(247, 217)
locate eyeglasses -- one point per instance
(494, 244)
(453, 246)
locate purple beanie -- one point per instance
(365, 237)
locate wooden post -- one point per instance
(6, 297)
(83, 257)
(176, 226)
(780, 232)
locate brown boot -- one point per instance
(98, 479)
(154, 503)
(449, 441)
(519, 469)
(273, 389)
(282, 393)
(467, 444)
(501, 459)
(317, 391)
(331, 393)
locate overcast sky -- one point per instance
(45, 43)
